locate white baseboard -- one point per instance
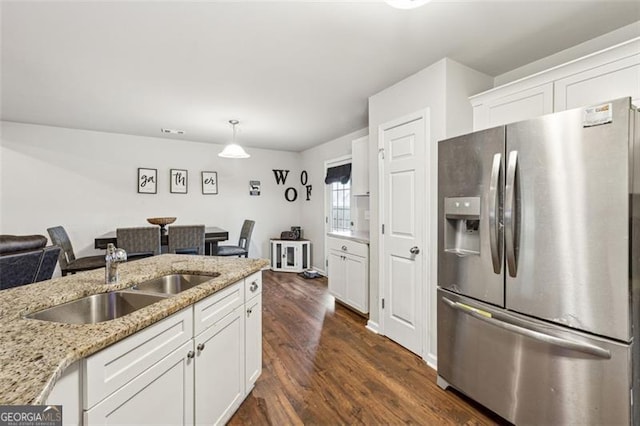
(320, 271)
(432, 361)
(372, 326)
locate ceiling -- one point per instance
(294, 73)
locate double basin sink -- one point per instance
(115, 304)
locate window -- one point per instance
(340, 209)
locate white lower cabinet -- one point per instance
(219, 369)
(349, 273)
(162, 394)
(253, 337)
(337, 275)
(194, 367)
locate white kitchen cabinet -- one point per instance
(162, 394)
(603, 83)
(253, 339)
(602, 76)
(337, 275)
(253, 330)
(349, 273)
(522, 105)
(219, 369)
(290, 255)
(360, 166)
(126, 383)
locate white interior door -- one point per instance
(403, 251)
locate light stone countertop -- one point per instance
(357, 236)
(34, 353)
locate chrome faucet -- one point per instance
(113, 258)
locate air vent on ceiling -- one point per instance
(172, 131)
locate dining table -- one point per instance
(212, 235)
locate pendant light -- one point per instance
(233, 150)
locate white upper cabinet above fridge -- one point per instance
(360, 166)
(611, 73)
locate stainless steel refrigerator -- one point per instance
(538, 291)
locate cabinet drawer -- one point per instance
(163, 394)
(252, 285)
(348, 246)
(115, 366)
(215, 307)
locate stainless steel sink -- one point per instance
(174, 283)
(97, 308)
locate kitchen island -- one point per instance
(34, 354)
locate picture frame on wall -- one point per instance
(210, 183)
(179, 180)
(147, 181)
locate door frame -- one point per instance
(427, 264)
(343, 159)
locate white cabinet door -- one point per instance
(337, 275)
(253, 339)
(163, 394)
(110, 369)
(357, 282)
(529, 103)
(614, 80)
(360, 166)
(219, 370)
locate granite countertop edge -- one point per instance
(34, 354)
(357, 236)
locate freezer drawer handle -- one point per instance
(510, 214)
(494, 214)
(533, 334)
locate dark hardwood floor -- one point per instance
(321, 366)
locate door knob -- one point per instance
(190, 354)
(200, 347)
(254, 286)
(414, 250)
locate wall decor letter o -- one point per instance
(293, 197)
(304, 178)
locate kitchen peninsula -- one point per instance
(34, 354)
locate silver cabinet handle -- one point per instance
(254, 286)
(344, 248)
(191, 354)
(532, 333)
(510, 215)
(494, 214)
(200, 347)
(414, 250)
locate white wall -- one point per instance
(443, 88)
(86, 181)
(313, 211)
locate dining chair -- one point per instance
(186, 239)
(242, 249)
(69, 263)
(139, 242)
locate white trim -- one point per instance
(431, 361)
(373, 327)
(429, 151)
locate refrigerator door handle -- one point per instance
(494, 215)
(531, 332)
(509, 214)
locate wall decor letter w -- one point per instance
(281, 176)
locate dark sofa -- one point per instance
(26, 259)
